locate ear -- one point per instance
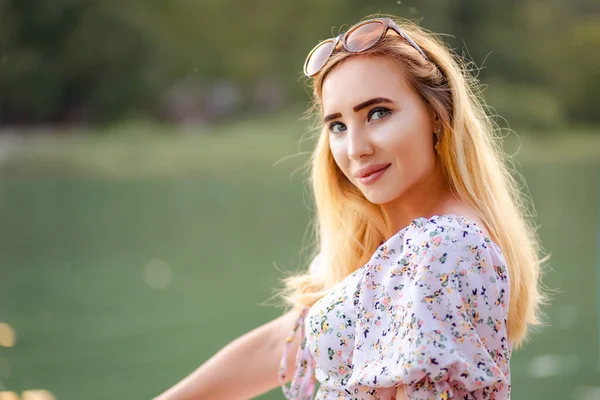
(437, 123)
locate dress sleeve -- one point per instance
(302, 385)
(432, 316)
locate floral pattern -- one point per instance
(428, 311)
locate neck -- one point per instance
(430, 196)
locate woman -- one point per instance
(427, 269)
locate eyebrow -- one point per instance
(376, 100)
(358, 107)
(331, 116)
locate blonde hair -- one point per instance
(349, 228)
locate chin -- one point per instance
(380, 196)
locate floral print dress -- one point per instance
(428, 311)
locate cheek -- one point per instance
(421, 153)
(414, 153)
(340, 156)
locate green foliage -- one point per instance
(531, 106)
(94, 61)
(68, 60)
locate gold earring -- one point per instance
(437, 141)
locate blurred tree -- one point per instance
(83, 60)
(67, 60)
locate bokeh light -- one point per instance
(9, 396)
(8, 337)
(157, 274)
(37, 395)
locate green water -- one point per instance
(81, 259)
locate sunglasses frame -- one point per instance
(387, 24)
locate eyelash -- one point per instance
(332, 125)
(385, 110)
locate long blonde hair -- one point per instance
(348, 228)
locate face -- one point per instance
(380, 129)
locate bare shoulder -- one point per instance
(469, 213)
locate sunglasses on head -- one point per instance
(359, 38)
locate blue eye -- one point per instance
(337, 127)
(378, 113)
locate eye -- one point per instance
(337, 127)
(378, 113)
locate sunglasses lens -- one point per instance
(318, 57)
(364, 36)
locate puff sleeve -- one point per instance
(432, 316)
(302, 386)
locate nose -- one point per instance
(359, 144)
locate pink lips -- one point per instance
(371, 173)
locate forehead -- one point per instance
(361, 78)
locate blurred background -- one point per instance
(151, 185)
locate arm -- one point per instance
(401, 393)
(245, 368)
